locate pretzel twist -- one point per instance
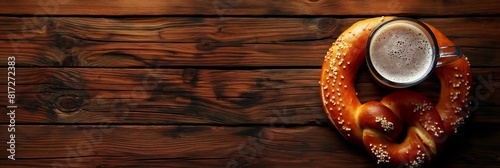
(377, 124)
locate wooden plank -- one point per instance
(462, 32)
(232, 29)
(120, 54)
(210, 146)
(198, 96)
(241, 7)
(176, 29)
(141, 42)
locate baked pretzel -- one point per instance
(378, 124)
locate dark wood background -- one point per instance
(216, 83)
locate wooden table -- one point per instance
(218, 83)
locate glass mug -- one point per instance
(403, 52)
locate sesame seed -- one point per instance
(346, 128)
(380, 152)
(386, 125)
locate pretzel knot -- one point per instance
(404, 128)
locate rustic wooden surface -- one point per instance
(213, 83)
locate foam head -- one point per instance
(401, 52)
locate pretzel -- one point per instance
(404, 128)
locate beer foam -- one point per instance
(401, 52)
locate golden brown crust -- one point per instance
(376, 125)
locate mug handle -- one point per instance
(448, 54)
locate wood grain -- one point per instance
(198, 96)
(210, 146)
(244, 7)
(122, 54)
(218, 83)
(232, 29)
(147, 42)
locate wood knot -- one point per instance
(327, 24)
(68, 103)
(206, 44)
(220, 29)
(65, 42)
(44, 25)
(70, 60)
(190, 76)
(70, 46)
